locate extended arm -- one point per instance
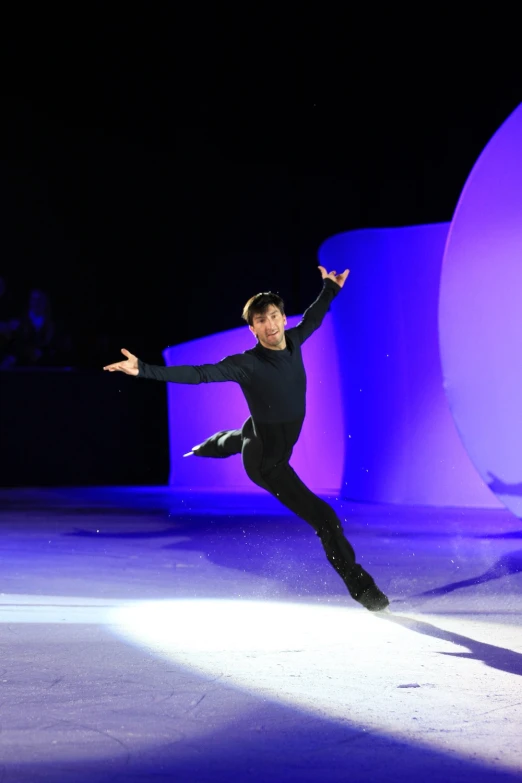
(236, 368)
(314, 315)
(233, 368)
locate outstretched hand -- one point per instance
(129, 367)
(339, 279)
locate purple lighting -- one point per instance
(401, 441)
(480, 314)
(378, 427)
(195, 412)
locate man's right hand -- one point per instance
(129, 367)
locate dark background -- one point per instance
(158, 168)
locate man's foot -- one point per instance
(209, 447)
(373, 599)
(194, 452)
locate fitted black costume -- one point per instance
(274, 385)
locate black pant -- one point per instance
(278, 478)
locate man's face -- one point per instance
(269, 328)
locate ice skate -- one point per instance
(373, 599)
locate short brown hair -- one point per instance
(257, 305)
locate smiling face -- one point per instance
(269, 328)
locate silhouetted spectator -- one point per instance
(36, 341)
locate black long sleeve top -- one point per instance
(273, 381)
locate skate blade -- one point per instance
(381, 612)
(189, 454)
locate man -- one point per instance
(273, 380)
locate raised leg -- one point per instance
(223, 444)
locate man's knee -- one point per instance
(325, 515)
(254, 474)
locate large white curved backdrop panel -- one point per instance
(480, 314)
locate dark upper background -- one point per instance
(156, 169)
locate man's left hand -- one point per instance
(339, 279)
